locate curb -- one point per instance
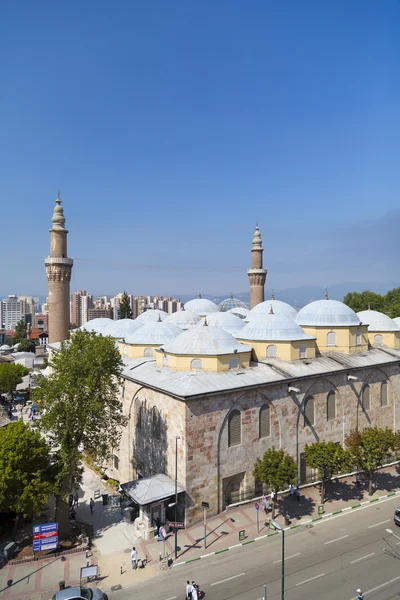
(319, 518)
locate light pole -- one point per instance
(276, 525)
(205, 505)
(177, 437)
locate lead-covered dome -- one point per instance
(397, 321)
(152, 314)
(122, 328)
(154, 333)
(273, 328)
(185, 319)
(230, 303)
(97, 325)
(228, 321)
(207, 340)
(377, 321)
(327, 313)
(239, 312)
(201, 306)
(278, 307)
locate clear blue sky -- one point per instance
(171, 127)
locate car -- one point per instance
(397, 516)
(80, 593)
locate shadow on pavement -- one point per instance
(11, 583)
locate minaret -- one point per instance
(58, 271)
(257, 275)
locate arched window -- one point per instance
(165, 361)
(234, 428)
(125, 350)
(365, 398)
(358, 338)
(272, 351)
(196, 363)
(233, 363)
(148, 352)
(138, 414)
(309, 416)
(384, 394)
(156, 423)
(378, 339)
(265, 422)
(331, 338)
(331, 406)
(303, 351)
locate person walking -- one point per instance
(292, 491)
(188, 590)
(264, 503)
(91, 504)
(195, 595)
(134, 558)
(358, 481)
(298, 494)
(76, 500)
(360, 595)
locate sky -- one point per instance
(171, 128)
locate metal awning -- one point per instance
(150, 489)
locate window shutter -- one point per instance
(378, 339)
(234, 429)
(331, 339)
(331, 406)
(366, 402)
(309, 411)
(384, 394)
(196, 364)
(265, 421)
(303, 351)
(233, 363)
(148, 352)
(165, 361)
(358, 338)
(272, 351)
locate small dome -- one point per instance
(205, 341)
(397, 321)
(122, 328)
(240, 312)
(327, 313)
(230, 303)
(154, 333)
(278, 307)
(201, 306)
(185, 319)
(227, 321)
(377, 321)
(273, 328)
(152, 315)
(97, 325)
(5, 347)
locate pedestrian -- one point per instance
(188, 590)
(76, 500)
(267, 505)
(360, 595)
(264, 503)
(70, 500)
(291, 491)
(91, 504)
(358, 480)
(158, 524)
(194, 591)
(72, 514)
(298, 494)
(134, 558)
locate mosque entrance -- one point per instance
(233, 489)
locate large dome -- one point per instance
(205, 341)
(273, 328)
(122, 328)
(97, 325)
(153, 314)
(327, 313)
(201, 306)
(227, 321)
(397, 321)
(154, 333)
(239, 312)
(185, 319)
(278, 307)
(230, 303)
(377, 321)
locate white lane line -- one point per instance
(227, 579)
(311, 579)
(378, 587)
(172, 598)
(336, 539)
(362, 558)
(377, 524)
(286, 558)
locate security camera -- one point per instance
(293, 389)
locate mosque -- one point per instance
(209, 389)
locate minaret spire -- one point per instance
(257, 274)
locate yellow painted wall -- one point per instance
(286, 350)
(135, 350)
(345, 338)
(390, 338)
(209, 363)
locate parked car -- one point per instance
(397, 516)
(80, 593)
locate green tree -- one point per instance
(392, 303)
(368, 449)
(125, 310)
(20, 332)
(363, 300)
(26, 346)
(277, 470)
(80, 406)
(328, 458)
(10, 376)
(27, 470)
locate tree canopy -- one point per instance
(277, 470)
(27, 470)
(125, 311)
(10, 376)
(328, 458)
(26, 345)
(20, 332)
(388, 303)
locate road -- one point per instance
(329, 559)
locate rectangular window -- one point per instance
(384, 394)
(115, 462)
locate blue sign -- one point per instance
(45, 537)
(45, 528)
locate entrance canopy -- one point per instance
(150, 489)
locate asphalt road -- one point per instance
(328, 559)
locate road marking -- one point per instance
(286, 558)
(380, 523)
(227, 579)
(362, 558)
(378, 587)
(311, 579)
(172, 598)
(336, 539)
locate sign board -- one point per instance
(45, 537)
(205, 505)
(87, 572)
(176, 524)
(257, 506)
(96, 494)
(242, 535)
(163, 532)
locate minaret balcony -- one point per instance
(55, 260)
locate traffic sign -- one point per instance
(176, 524)
(257, 506)
(45, 537)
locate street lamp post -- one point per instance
(178, 437)
(276, 526)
